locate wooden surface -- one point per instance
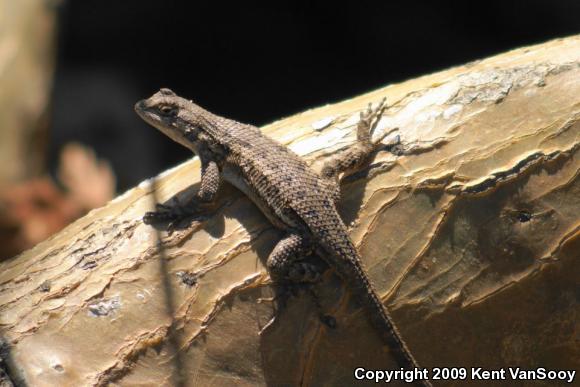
(469, 230)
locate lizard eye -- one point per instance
(167, 110)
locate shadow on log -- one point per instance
(469, 229)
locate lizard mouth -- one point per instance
(159, 123)
(140, 107)
(141, 110)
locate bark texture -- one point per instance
(469, 229)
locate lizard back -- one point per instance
(301, 199)
(292, 195)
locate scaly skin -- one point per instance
(292, 196)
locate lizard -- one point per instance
(293, 197)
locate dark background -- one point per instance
(260, 63)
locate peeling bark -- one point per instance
(468, 226)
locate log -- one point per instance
(468, 227)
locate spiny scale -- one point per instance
(293, 197)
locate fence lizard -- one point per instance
(291, 195)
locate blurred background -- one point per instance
(71, 71)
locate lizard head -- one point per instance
(174, 116)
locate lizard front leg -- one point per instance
(210, 184)
(357, 156)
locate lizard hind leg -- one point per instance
(288, 266)
(286, 262)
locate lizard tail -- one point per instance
(345, 258)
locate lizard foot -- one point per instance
(369, 119)
(175, 214)
(298, 278)
(291, 289)
(304, 272)
(287, 291)
(353, 160)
